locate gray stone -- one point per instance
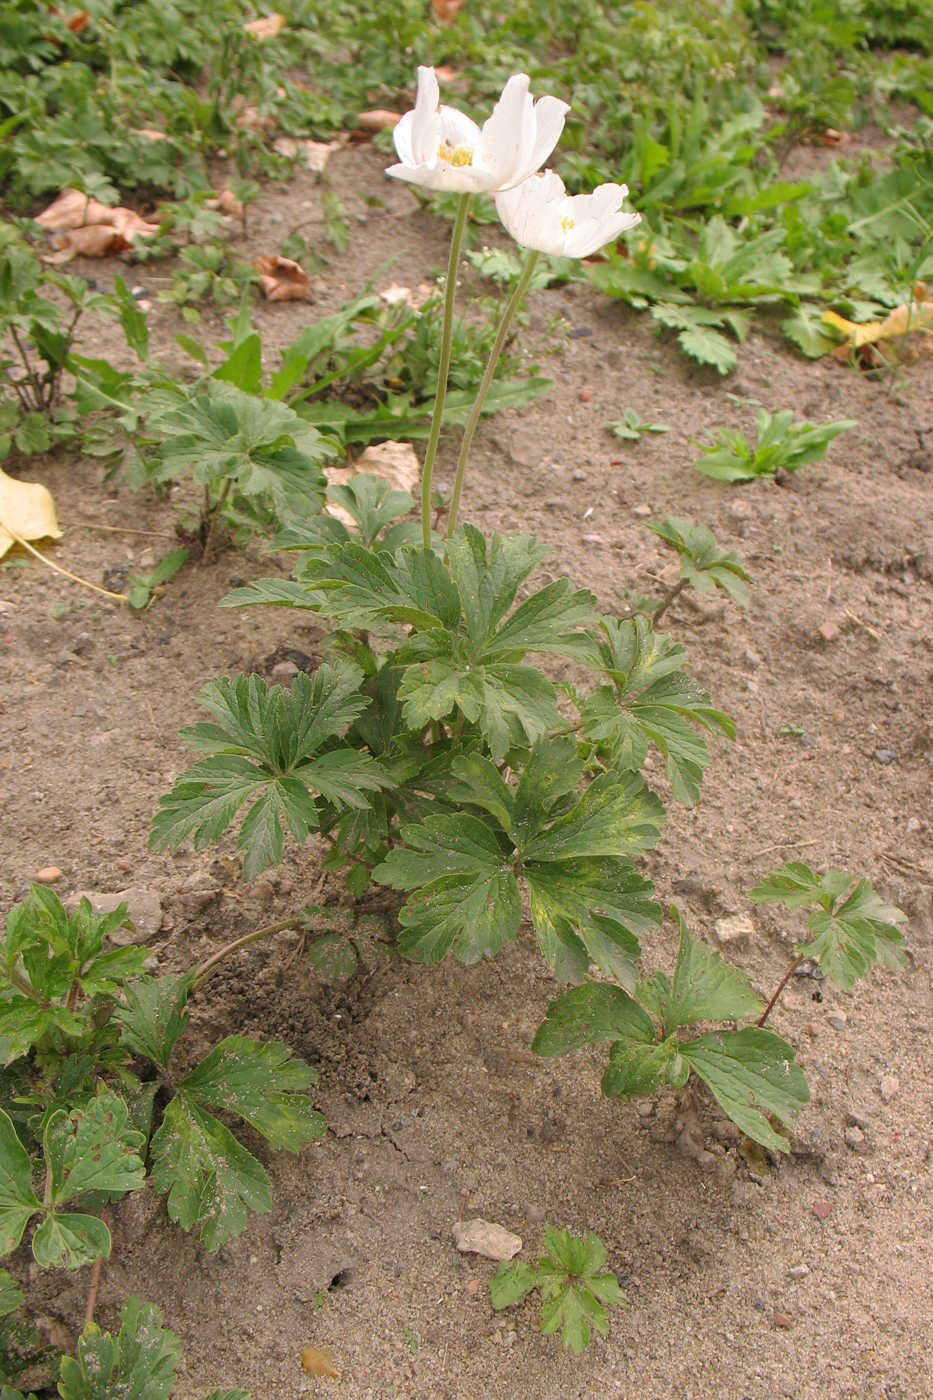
(144, 910)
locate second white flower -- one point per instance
(540, 214)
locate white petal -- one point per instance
(593, 233)
(401, 135)
(509, 135)
(457, 129)
(531, 212)
(550, 115)
(426, 122)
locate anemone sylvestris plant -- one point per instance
(431, 751)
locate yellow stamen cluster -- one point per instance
(456, 155)
(567, 224)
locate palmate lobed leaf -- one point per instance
(851, 929)
(573, 1291)
(263, 1083)
(138, 1364)
(590, 909)
(154, 1015)
(271, 750)
(703, 564)
(18, 1201)
(590, 1014)
(67, 1240)
(211, 1180)
(651, 701)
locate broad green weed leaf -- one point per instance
(706, 988)
(66, 1240)
(466, 894)
(93, 1148)
(18, 1201)
(261, 1082)
(210, 1179)
(752, 1075)
(637, 1068)
(860, 932)
(585, 909)
(574, 1294)
(511, 1283)
(652, 701)
(589, 1014)
(11, 1295)
(138, 1364)
(851, 927)
(702, 563)
(617, 815)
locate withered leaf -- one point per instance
(282, 279)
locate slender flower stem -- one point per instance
(443, 369)
(514, 301)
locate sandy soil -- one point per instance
(436, 1107)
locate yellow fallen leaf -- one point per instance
(27, 510)
(912, 316)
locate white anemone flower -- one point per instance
(540, 214)
(443, 149)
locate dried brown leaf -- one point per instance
(446, 10)
(282, 279)
(378, 119)
(318, 1361)
(396, 462)
(72, 209)
(266, 27)
(98, 241)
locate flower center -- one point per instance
(456, 155)
(567, 224)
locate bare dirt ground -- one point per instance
(738, 1286)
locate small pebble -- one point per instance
(837, 1019)
(752, 657)
(798, 1271)
(641, 511)
(783, 1319)
(48, 875)
(822, 1209)
(828, 630)
(578, 475)
(486, 1238)
(855, 1139)
(829, 1171)
(735, 928)
(592, 539)
(890, 1087)
(884, 756)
